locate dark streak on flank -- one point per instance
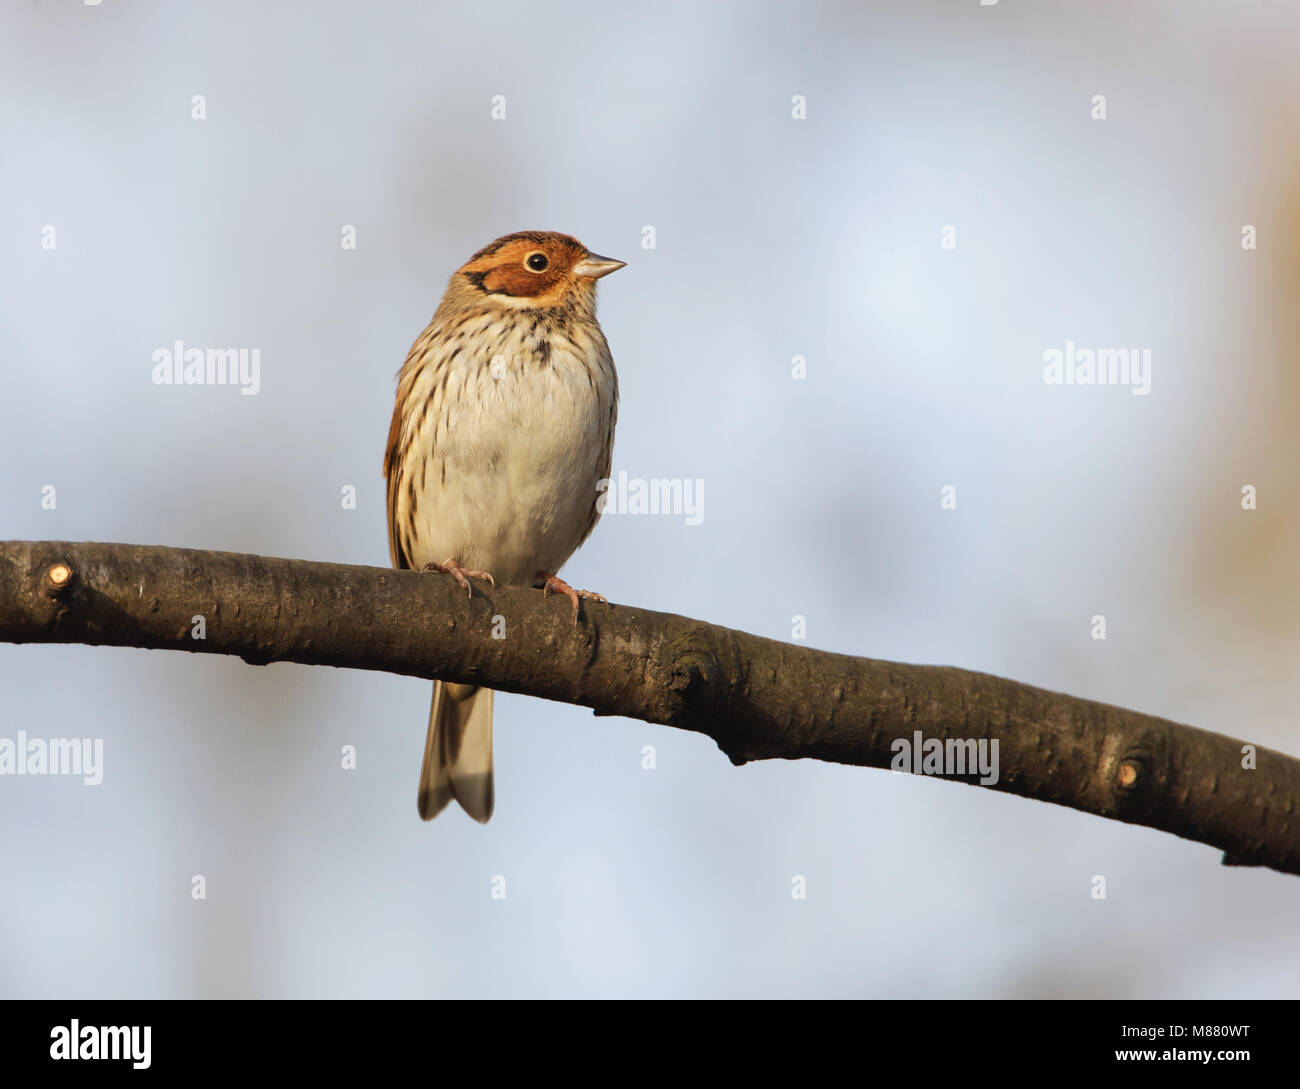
(424, 411)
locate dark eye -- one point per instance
(537, 262)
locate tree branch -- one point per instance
(757, 698)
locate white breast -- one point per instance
(518, 436)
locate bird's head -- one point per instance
(539, 269)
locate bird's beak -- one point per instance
(595, 266)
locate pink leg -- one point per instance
(553, 584)
(451, 567)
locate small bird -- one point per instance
(503, 427)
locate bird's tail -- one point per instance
(458, 752)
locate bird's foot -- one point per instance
(461, 574)
(553, 584)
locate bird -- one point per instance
(502, 432)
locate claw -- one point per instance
(553, 584)
(451, 567)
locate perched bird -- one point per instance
(503, 426)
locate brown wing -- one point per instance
(393, 471)
(395, 466)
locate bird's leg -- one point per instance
(553, 584)
(451, 567)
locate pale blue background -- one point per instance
(775, 238)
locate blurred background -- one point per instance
(773, 237)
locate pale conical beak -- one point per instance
(595, 266)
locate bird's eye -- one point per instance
(537, 262)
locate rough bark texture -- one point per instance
(757, 698)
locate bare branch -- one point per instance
(757, 698)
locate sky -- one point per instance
(855, 235)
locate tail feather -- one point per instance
(458, 752)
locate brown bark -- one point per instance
(757, 698)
